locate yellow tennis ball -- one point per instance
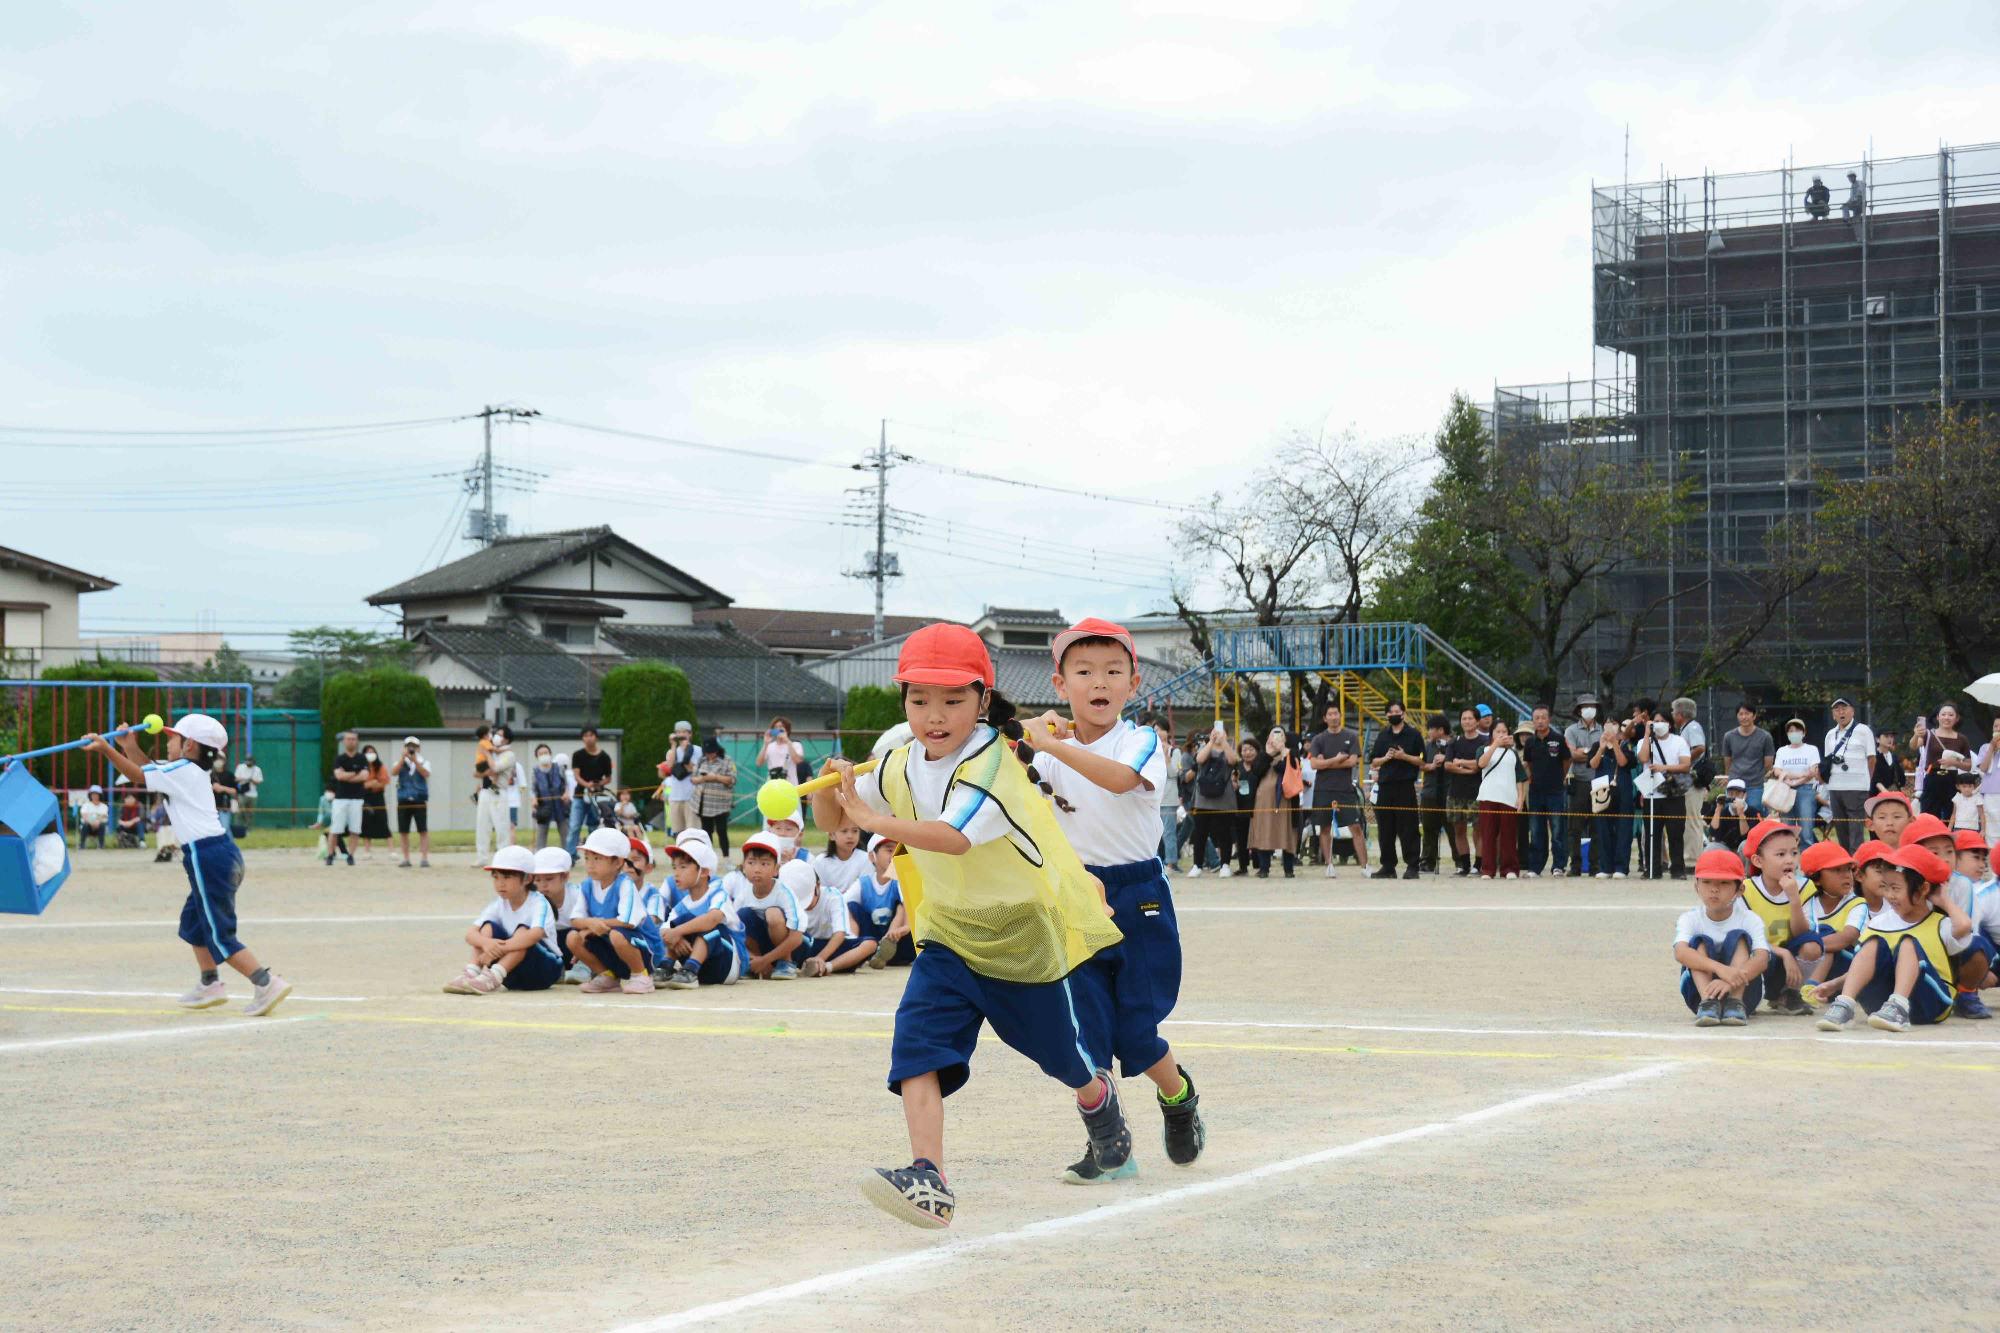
(778, 799)
(153, 724)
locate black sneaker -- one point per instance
(1792, 1004)
(1461, 872)
(1186, 1134)
(1411, 873)
(1383, 873)
(1083, 1171)
(915, 1193)
(1110, 1136)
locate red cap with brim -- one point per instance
(1900, 798)
(1925, 862)
(1924, 827)
(1718, 863)
(1092, 628)
(1873, 850)
(1823, 856)
(1968, 840)
(1766, 828)
(944, 654)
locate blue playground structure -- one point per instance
(1364, 666)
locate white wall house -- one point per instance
(38, 612)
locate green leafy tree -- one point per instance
(325, 651)
(64, 715)
(644, 700)
(870, 711)
(227, 667)
(383, 696)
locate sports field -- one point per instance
(1428, 1104)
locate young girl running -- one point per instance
(1007, 919)
(214, 865)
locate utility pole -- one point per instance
(483, 525)
(882, 564)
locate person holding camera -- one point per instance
(1728, 817)
(783, 756)
(412, 776)
(683, 755)
(1846, 775)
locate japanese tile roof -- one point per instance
(512, 559)
(725, 668)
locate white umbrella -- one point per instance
(1986, 689)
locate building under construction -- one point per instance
(1758, 334)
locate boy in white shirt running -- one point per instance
(513, 940)
(1104, 774)
(1720, 945)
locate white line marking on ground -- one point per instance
(958, 1249)
(223, 1029)
(246, 923)
(1183, 909)
(160, 994)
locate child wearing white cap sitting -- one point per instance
(699, 937)
(611, 932)
(770, 925)
(831, 945)
(213, 864)
(552, 867)
(513, 940)
(875, 906)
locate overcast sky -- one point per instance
(1123, 248)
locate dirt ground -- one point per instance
(1428, 1104)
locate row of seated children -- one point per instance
(783, 914)
(1903, 930)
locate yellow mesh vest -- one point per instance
(1838, 919)
(1776, 916)
(1010, 915)
(1929, 935)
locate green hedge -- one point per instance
(379, 697)
(644, 700)
(64, 710)
(871, 710)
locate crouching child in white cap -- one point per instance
(552, 866)
(513, 940)
(700, 944)
(213, 864)
(612, 934)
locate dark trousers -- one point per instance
(717, 828)
(1548, 839)
(1212, 830)
(1844, 809)
(1431, 830)
(1397, 825)
(1582, 824)
(1660, 834)
(1240, 831)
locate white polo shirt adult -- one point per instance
(1859, 754)
(1110, 828)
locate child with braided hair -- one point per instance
(1005, 918)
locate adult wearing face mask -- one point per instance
(1665, 758)
(374, 804)
(547, 787)
(1581, 736)
(1797, 766)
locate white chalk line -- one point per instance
(244, 925)
(162, 994)
(959, 1249)
(221, 1029)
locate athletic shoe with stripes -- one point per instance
(1186, 1134)
(915, 1193)
(1110, 1136)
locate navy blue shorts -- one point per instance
(944, 1002)
(208, 919)
(599, 947)
(1979, 947)
(537, 969)
(757, 933)
(1817, 935)
(1142, 974)
(1725, 952)
(1930, 999)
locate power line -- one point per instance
(1029, 485)
(246, 430)
(703, 446)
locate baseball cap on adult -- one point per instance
(202, 730)
(1090, 627)
(1718, 863)
(1925, 862)
(515, 858)
(696, 850)
(1823, 855)
(1924, 827)
(553, 861)
(944, 654)
(608, 842)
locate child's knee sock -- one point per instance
(499, 971)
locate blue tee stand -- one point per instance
(27, 809)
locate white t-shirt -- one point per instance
(1696, 924)
(682, 789)
(836, 874)
(783, 754)
(95, 814)
(533, 914)
(1886, 920)
(514, 791)
(502, 768)
(1112, 828)
(1981, 902)
(190, 800)
(247, 778)
(972, 812)
(1859, 752)
(779, 897)
(1498, 775)
(827, 916)
(1965, 811)
(1669, 749)
(572, 900)
(1795, 759)
(1170, 790)
(1692, 735)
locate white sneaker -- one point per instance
(1531, 874)
(1617, 874)
(1330, 872)
(1600, 875)
(1194, 872)
(1224, 873)
(1511, 875)
(268, 997)
(206, 995)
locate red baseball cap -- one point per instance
(944, 654)
(1922, 827)
(1823, 855)
(1925, 862)
(1718, 863)
(1968, 840)
(640, 850)
(1901, 798)
(1873, 850)
(1090, 627)
(1764, 828)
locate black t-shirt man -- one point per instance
(1397, 775)
(1434, 750)
(1463, 788)
(1332, 784)
(1545, 757)
(348, 771)
(590, 768)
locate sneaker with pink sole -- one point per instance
(483, 984)
(637, 984)
(600, 984)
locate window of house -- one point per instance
(558, 631)
(1024, 638)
